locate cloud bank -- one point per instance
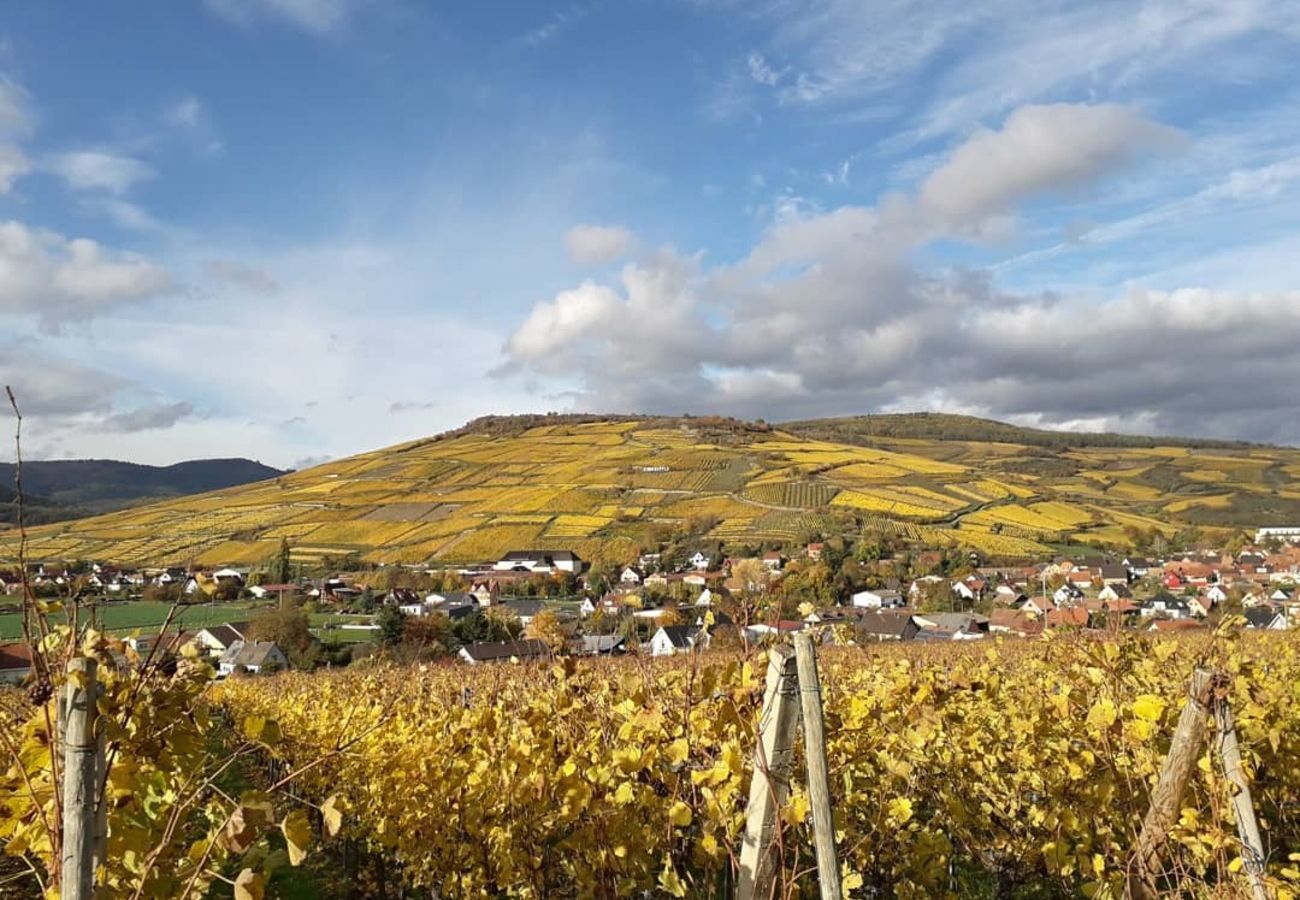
(829, 313)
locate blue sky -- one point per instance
(296, 229)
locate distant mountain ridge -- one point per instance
(70, 488)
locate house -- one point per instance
(630, 576)
(1018, 622)
(699, 561)
(951, 627)
(655, 580)
(672, 639)
(773, 561)
(1139, 566)
(228, 576)
(964, 591)
(814, 551)
(878, 599)
(1114, 573)
(1115, 591)
(1066, 594)
(599, 645)
(1281, 595)
(279, 591)
(705, 599)
(886, 625)
(540, 562)
(15, 663)
(1039, 606)
(695, 579)
(1068, 617)
(217, 639)
(1216, 593)
(1164, 605)
(526, 608)
(251, 656)
(504, 651)
(1266, 619)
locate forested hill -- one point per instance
(948, 427)
(61, 489)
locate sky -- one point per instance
(293, 230)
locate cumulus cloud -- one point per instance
(148, 418)
(1038, 149)
(48, 386)
(59, 278)
(829, 313)
(98, 170)
(598, 244)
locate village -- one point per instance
(535, 604)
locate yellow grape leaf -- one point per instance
(297, 835)
(899, 810)
(796, 811)
(669, 881)
(249, 886)
(850, 881)
(680, 814)
(1102, 715)
(245, 824)
(259, 728)
(331, 815)
(1149, 707)
(678, 751)
(623, 796)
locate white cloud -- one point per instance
(15, 110)
(829, 313)
(598, 244)
(59, 279)
(1038, 148)
(13, 165)
(188, 112)
(98, 170)
(318, 16)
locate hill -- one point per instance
(604, 486)
(66, 489)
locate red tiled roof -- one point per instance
(15, 657)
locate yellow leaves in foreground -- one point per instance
(618, 777)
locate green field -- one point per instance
(125, 617)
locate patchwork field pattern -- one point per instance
(602, 488)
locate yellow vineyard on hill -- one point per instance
(597, 487)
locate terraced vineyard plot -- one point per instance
(797, 494)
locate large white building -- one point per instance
(1287, 533)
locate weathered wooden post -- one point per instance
(1252, 847)
(819, 787)
(80, 766)
(1166, 799)
(771, 783)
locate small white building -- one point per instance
(252, 656)
(699, 561)
(878, 599)
(673, 639)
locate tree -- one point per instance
(289, 628)
(280, 568)
(392, 626)
(427, 636)
(545, 627)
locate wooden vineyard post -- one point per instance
(1166, 799)
(80, 766)
(771, 782)
(1252, 848)
(819, 788)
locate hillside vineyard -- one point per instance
(594, 487)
